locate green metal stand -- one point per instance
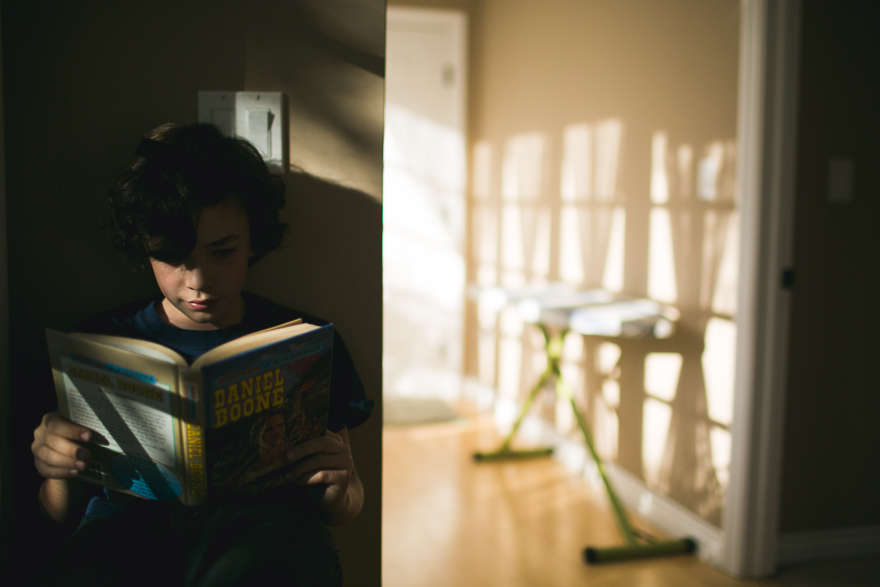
(632, 547)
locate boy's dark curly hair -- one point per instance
(176, 172)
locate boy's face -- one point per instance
(204, 291)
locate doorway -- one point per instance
(424, 208)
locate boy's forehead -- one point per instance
(221, 222)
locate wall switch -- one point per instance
(841, 180)
(258, 117)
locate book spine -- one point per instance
(193, 434)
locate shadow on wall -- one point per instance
(331, 250)
(104, 64)
(660, 408)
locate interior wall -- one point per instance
(660, 79)
(5, 454)
(831, 462)
(84, 82)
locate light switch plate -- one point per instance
(258, 117)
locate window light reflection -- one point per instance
(718, 369)
(655, 430)
(661, 259)
(661, 374)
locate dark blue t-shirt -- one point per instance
(349, 406)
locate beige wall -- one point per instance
(831, 463)
(538, 69)
(83, 83)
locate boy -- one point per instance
(199, 209)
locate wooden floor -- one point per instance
(450, 522)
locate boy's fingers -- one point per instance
(49, 460)
(329, 443)
(60, 426)
(67, 447)
(58, 473)
(322, 462)
(326, 477)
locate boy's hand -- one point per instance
(326, 460)
(56, 452)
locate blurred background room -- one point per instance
(594, 145)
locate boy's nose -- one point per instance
(195, 278)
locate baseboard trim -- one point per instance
(663, 513)
(838, 543)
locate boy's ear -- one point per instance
(251, 253)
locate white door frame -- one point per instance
(767, 131)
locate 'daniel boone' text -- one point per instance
(248, 397)
(196, 454)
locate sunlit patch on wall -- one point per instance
(521, 170)
(591, 228)
(684, 163)
(609, 139)
(573, 348)
(659, 174)
(661, 261)
(485, 226)
(661, 374)
(606, 429)
(522, 178)
(571, 264)
(577, 163)
(607, 356)
(511, 243)
(708, 171)
(611, 393)
(540, 261)
(724, 300)
(612, 279)
(720, 440)
(655, 431)
(481, 172)
(718, 369)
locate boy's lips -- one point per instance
(201, 304)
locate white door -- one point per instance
(424, 203)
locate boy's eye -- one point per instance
(223, 252)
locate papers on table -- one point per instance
(596, 312)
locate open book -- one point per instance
(166, 430)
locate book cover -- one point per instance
(260, 404)
(165, 430)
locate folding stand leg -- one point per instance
(632, 548)
(504, 451)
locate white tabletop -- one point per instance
(595, 312)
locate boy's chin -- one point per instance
(219, 315)
(200, 319)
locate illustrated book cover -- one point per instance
(166, 430)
